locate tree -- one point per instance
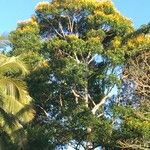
(136, 73)
(82, 43)
(85, 44)
(15, 102)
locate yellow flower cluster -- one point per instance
(42, 5)
(88, 1)
(84, 3)
(138, 123)
(101, 4)
(31, 21)
(116, 42)
(27, 25)
(138, 41)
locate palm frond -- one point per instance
(15, 102)
(12, 64)
(16, 88)
(24, 113)
(8, 122)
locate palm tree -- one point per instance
(15, 102)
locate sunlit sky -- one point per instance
(12, 11)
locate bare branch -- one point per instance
(138, 70)
(61, 29)
(71, 24)
(133, 145)
(100, 115)
(76, 58)
(91, 100)
(91, 60)
(77, 96)
(46, 114)
(60, 100)
(141, 116)
(97, 106)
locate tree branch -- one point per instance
(97, 106)
(76, 58)
(133, 145)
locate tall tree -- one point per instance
(82, 43)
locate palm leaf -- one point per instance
(16, 88)
(15, 102)
(12, 64)
(8, 122)
(24, 113)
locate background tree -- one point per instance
(136, 75)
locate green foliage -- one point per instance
(15, 108)
(39, 138)
(76, 33)
(75, 49)
(26, 37)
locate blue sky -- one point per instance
(12, 11)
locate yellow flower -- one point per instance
(116, 42)
(41, 5)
